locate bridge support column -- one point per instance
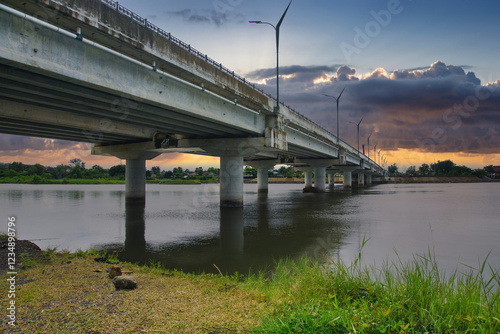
(263, 167)
(308, 179)
(320, 179)
(331, 179)
(347, 172)
(347, 179)
(135, 181)
(361, 179)
(231, 182)
(368, 178)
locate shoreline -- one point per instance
(376, 180)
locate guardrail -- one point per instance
(143, 21)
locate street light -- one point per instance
(369, 145)
(357, 124)
(375, 153)
(337, 99)
(277, 29)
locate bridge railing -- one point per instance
(144, 21)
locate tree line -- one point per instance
(440, 168)
(76, 169)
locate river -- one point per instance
(183, 227)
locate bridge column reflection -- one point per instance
(231, 231)
(135, 231)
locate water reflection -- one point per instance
(252, 237)
(135, 232)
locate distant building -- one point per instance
(493, 173)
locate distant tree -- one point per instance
(77, 162)
(36, 169)
(443, 167)
(16, 166)
(480, 172)
(489, 169)
(156, 170)
(249, 171)
(178, 170)
(61, 171)
(148, 174)
(393, 170)
(118, 170)
(212, 170)
(199, 171)
(287, 172)
(411, 171)
(76, 172)
(424, 169)
(168, 174)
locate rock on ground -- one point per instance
(125, 282)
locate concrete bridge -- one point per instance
(93, 71)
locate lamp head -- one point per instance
(257, 22)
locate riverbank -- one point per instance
(432, 179)
(59, 292)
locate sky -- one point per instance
(423, 75)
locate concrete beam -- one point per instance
(134, 151)
(90, 129)
(304, 141)
(62, 57)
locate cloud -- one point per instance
(17, 144)
(438, 108)
(218, 18)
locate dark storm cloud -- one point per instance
(18, 144)
(208, 16)
(439, 108)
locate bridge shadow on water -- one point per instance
(251, 238)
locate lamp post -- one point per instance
(277, 29)
(337, 99)
(357, 124)
(369, 145)
(375, 153)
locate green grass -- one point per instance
(402, 297)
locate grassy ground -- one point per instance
(71, 293)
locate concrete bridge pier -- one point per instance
(361, 179)
(231, 181)
(347, 172)
(308, 184)
(331, 179)
(308, 180)
(320, 179)
(135, 181)
(263, 167)
(368, 178)
(135, 156)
